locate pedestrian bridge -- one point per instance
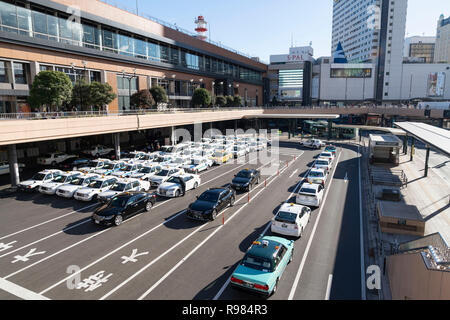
(24, 128)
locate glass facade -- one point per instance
(3, 73)
(351, 73)
(290, 78)
(42, 23)
(20, 74)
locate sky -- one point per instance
(264, 27)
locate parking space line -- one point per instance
(19, 291)
(142, 235)
(308, 246)
(88, 220)
(274, 176)
(330, 280)
(45, 222)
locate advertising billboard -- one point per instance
(436, 84)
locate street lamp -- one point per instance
(129, 78)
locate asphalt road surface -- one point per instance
(48, 244)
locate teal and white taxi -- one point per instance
(263, 265)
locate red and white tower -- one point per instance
(201, 28)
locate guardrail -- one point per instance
(84, 114)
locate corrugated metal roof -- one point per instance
(437, 137)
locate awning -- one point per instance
(436, 137)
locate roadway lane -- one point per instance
(335, 247)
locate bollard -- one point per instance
(223, 218)
(265, 183)
(248, 196)
(278, 172)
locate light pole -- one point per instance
(213, 93)
(129, 78)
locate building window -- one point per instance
(3, 73)
(43, 67)
(20, 73)
(95, 76)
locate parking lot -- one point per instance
(48, 243)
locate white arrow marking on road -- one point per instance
(133, 256)
(346, 178)
(6, 246)
(27, 256)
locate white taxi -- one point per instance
(327, 155)
(291, 220)
(172, 188)
(81, 181)
(97, 186)
(317, 176)
(310, 194)
(38, 179)
(50, 187)
(163, 175)
(323, 163)
(123, 185)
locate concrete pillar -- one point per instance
(412, 149)
(235, 125)
(289, 128)
(405, 144)
(172, 135)
(117, 144)
(426, 161)
(13, 165)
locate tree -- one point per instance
(237, 101)
(81, 94)
(101, 94)
(143, 99)
(229, 101)
(201, 97)
(159, 94)
(52, 89)
(220, 101)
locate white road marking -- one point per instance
(361, 234)
(45, 222)
(133, 256)
(27, 256)
(195, 249)
(6, 246)
(19, 291)
(296, 170)
(87, 221)
(305, 254)
(330, 280)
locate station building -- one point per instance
(93, 40)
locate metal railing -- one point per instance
(87, 114)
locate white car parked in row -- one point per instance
(94, 165)
(327, 155)
(38, 179)
(147, 171)
(54, 158)
(198, 164)
(81, 181)
(291, 220)
(172, 188)
(96, 187)
(50, 187)
(124, 185)
(322, 163)
(98, 150)
(310, 194)
(163, 175)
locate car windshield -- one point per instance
(174, 180)
(178, 160)
(308, 190)
(96, 184)
(244, 174)
(195, 161)
(316, 174)
(255, 262)
(209, 197)
(167, 149)
(119, 202)
(322, 162)
(93, 163)
(146, 170)
(109, 166)
(127, 168)
(325, 155)
(60, 179)
(77, 181)
(119, 187)
(163, 173)
(38, 176)
(285, 216)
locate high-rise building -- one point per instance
(442, 49)
(419, 49)
(355, 26)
